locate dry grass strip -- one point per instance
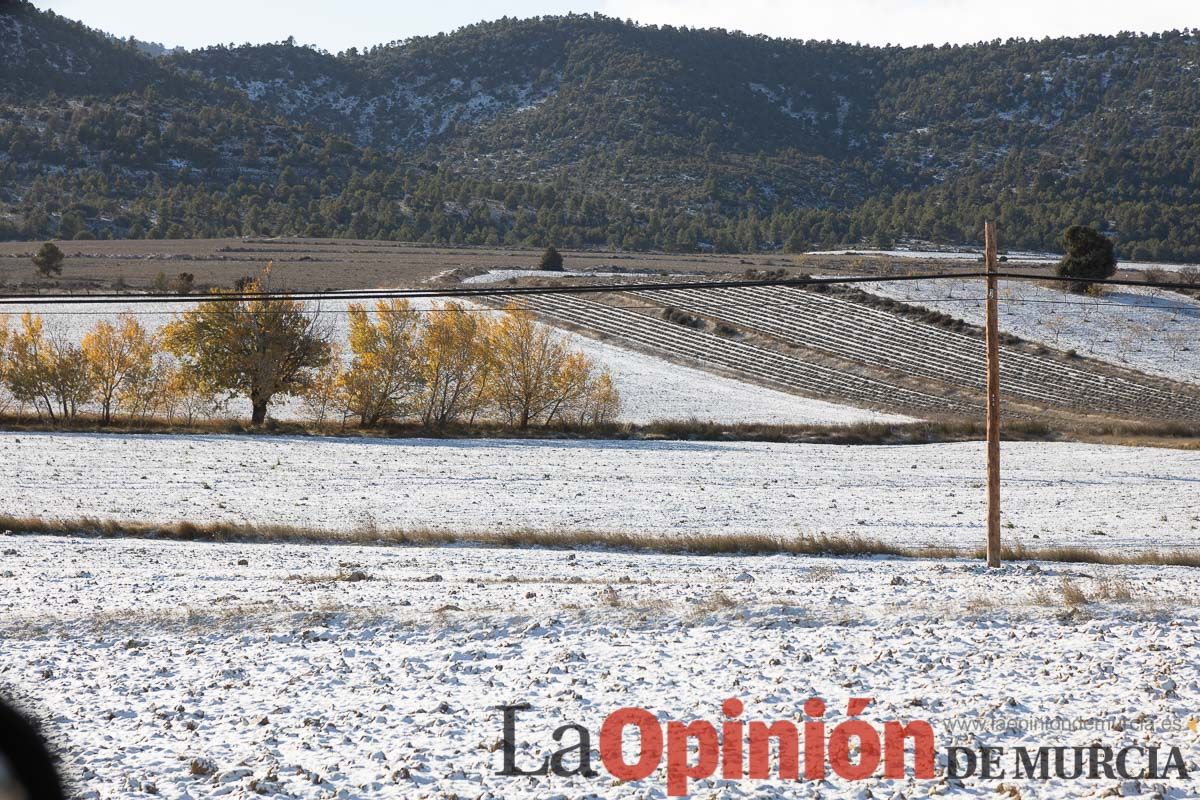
(693, 544)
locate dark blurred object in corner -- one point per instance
(27, 769)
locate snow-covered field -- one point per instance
(1151, 330)
(497, 275)
(937, 255)
(186, 670)
(651, 388)
(196, 670)
(1099, 496)
(656, 389)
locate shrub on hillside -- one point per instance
(681, 317)
(184, 283)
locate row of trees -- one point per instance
(442, 367)
(116, 366)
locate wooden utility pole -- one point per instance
(992, 340)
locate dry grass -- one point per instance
(980, 604)
(1043, 598)
(1107, 589)
(1166, 434)
(717, 601)
(716, 544)
(1075, 554)
(1115, 590)
(1072, 595)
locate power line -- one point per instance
(915, 302)
(446, 293)
(513, 291)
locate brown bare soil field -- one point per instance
(320, 264)
(315, 265)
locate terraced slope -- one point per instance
(757, 363)
(826, 346)
(876, 338)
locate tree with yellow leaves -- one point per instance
(151, 394)
(586, 396)
(260, 346)
(455, 364)
(25, 368)
(536, 377)
(183, 397)
(601, 403)
(70, 380)
(571, 382)
(5, 396)
(383, 381)
(529, 359)
(322, 397)
(118, 357)
(48, 373)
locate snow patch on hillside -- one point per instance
(785, 105)
(12, 33)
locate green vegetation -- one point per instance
(1089, 256)
(584, 131)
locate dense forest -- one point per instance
(585, 131)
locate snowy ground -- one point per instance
(497, 275)
(655, 389)
(1099, 496)
(1151, 330)
(651, 388)
(938, 255)
(188, 670)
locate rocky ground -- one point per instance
(189, 670)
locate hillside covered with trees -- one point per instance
(588, 131)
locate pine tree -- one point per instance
(49, 260)
(1090, 256)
